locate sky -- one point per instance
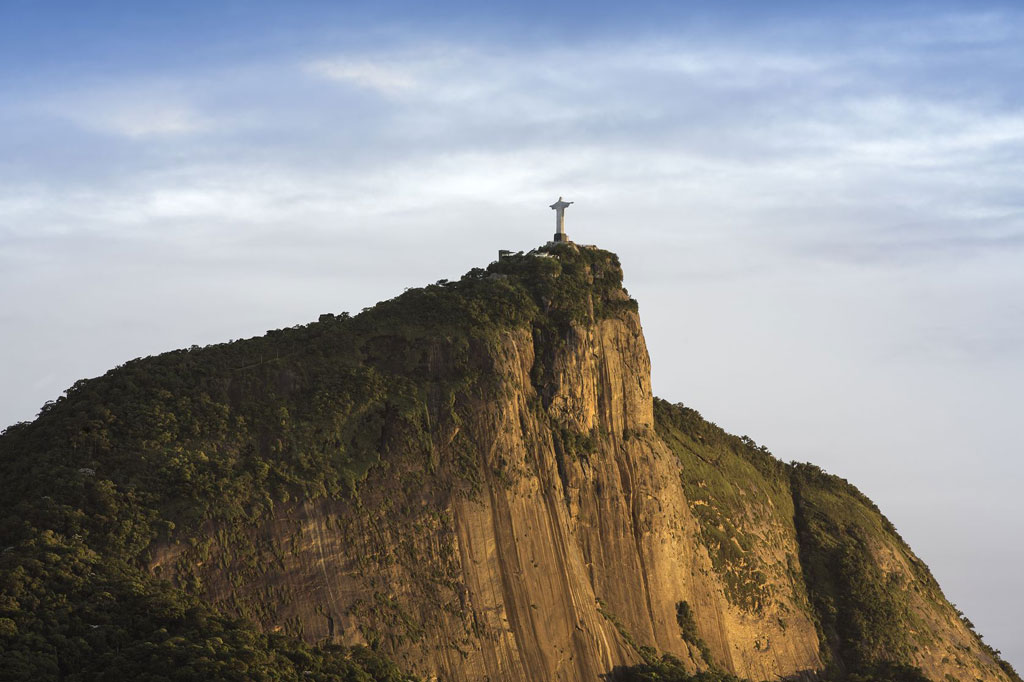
(819, 209)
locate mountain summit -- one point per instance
(469, 481)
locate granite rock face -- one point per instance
(545, 533)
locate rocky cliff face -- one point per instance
(574, 546)
(512, 503)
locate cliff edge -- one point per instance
(472, 480)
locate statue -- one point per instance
(560, 206)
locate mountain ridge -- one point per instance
(475, 480)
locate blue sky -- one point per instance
(819, 210)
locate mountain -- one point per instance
(471, 481)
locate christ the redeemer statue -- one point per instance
(560, 206)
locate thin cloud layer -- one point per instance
(135, 111)
(605, 114)
(373, 75)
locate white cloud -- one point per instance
(148, 119)
(137, 111)
(136, 116)
(384, 78)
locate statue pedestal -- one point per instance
(561, 238)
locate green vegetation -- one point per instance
(862, 610)
(570, 285)
(888, 672)
(67, 612)
(864, 618)
(726, 480)
(157, 450)
(645, 652)
(657, 666)
(994, 653)
(688, 631)
(668, 669)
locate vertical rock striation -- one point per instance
(570, 553)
